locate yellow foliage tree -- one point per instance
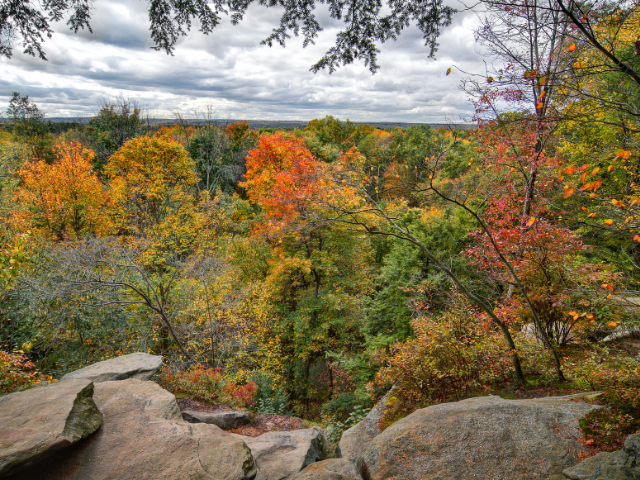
(152, 182)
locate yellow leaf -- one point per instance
(608, 221)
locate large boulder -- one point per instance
(619, 465)
(483, 437)
(224, 420)
(281, 455)
(355, 440)
(332, 469)
(144, 438)
(135, 365)
(38, 422)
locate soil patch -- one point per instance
(262, 422)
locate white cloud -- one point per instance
(240, 78)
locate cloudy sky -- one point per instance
(233, 74)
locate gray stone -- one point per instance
(332, 469)
(621, 332)
(484, 437)
(616, 472)
(587, 468)
(145, 438)
(135, 365)
(224, 420)
(38, 422)
(281, 455)
(355, 440)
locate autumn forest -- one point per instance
(307, 271)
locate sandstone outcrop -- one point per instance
(40, 421)
(135, 365)
(144, 438)
(484, 437)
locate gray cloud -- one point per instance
(238, 77)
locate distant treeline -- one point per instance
(67, 123)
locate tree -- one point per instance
(152, 182)
(220, 155)
(365, 23)
(29, 126)
(117, 122)
(152, 209)
(64, 199)
(317, 272)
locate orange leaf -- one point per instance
(608, 221)
(583, 177)
(636, 238)
(568, 191)
(490, 79)
(584, 208)
(531, 221)
(448, 71)
(586, 186)
(595, 170)
(626, 154)
(577, 65)
(610, 168)
(539, 105)
(570, 170)
(572, 47)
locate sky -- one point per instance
(230, 73)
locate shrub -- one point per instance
(618, 376)
(336, 429)
(208, 385)
(450, 358)
(16, 372)
(269, 398)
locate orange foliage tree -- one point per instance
(66, 198)
(318, 270)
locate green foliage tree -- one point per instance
(29, 127)
(117, 122)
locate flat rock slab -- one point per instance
(224, 420)
(38, 422)
(332, 469)
(281, 455)
(484, 437)
(135, 365)
(144, 438)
